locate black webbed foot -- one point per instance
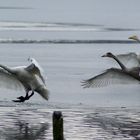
(22, 99)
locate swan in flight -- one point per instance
(132, 58)
(29, 78)
(110, 76)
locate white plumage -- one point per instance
(130, 59)
(111, 76)
(114, 75)
(29, 78)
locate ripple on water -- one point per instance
(35, 121)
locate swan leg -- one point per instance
(27, 97)
(22, 99)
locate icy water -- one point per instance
(31, 121)
(67, 38)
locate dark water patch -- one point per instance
(25, 131)
(23, 124)
(58, 26)
(63, 41)
(12, 8)
(121, 123)
(76, 24)
(44, 24)
(121, 29)
(80, 122)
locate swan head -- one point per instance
(134, 37)
(108, 54)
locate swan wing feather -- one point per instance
(9, 81)
(109, 77)
(36, 69)
(130, 59)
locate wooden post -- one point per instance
(58, 125)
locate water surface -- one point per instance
(68, 38)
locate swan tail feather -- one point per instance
(44, 92)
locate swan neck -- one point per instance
(7, 69)
(121, 64)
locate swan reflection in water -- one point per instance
(25, 131)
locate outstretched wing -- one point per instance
(110, 77)
(35, 68)
(9, 81)
(130, 59)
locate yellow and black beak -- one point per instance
(133, 37)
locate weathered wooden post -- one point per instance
(58, 125)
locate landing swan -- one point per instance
(121, 75)
(29, 78)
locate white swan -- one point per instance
(29, 78)
(114, 75)
(132, 58)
